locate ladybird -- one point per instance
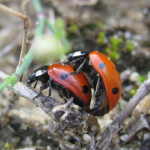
(104, 78)
(55, 76)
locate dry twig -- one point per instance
(25, 32)
(26, 26)
(11, 11)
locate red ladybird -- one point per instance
(104, 77)
(76, 83)
(55, 76)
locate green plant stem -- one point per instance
(28, 60)
(50, 26)
(40, 27)
(41, 21)
(54, 31)
(4, 84)
(39, 30)
(37, 5)
(14, 78)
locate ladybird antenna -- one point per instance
(70, 73)
(98, 84)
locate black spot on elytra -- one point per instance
(115, 90)
(102, 65)
(85, 89)
(63, 76)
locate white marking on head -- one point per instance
(77, 54)
(40, 72)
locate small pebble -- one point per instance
(93, 128)
(124, 137)
(134, 77)
(48, 148)
(128, 35)
(146, 136)
(145, 11)
(86, 137)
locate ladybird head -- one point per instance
(73, 55)
(70, 57)
(37, 75)
(31, 79)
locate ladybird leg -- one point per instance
(29, 85)
(67, 92)
(50, 86)
(64, 89)
(72, 62)
(97, 85)
(81, 66)
(42, 87)
(35, 84)
(49, 93)
(37, 96)
(78, 70)
(70, 73)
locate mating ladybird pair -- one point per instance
(69, 80)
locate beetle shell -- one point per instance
(110, 76)
(77, 83)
